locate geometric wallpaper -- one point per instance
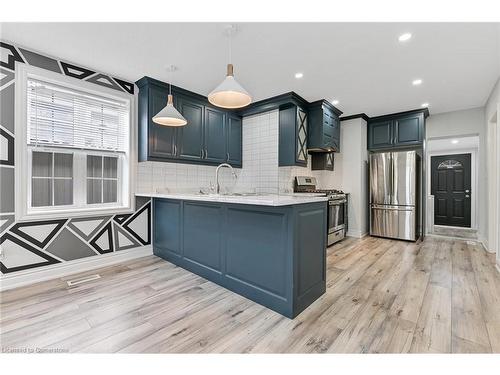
(40, 243)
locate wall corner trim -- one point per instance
(36, 275)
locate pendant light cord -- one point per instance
(230, 49)
(170, 79)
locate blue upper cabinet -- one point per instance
(190, 137)
(399, 130)
(292, 136)
(212, 136)
(324, 127)
(234, 139)
(380, 134)
(215, 140)
(159, 141)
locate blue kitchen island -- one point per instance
(270, 249)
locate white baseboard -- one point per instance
(484, 242)
(54, 271)
(356, 233)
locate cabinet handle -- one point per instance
(206, 154)
(227, 155)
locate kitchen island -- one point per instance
(270, 249)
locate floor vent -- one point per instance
(82, 280)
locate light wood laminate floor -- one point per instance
(439, 296)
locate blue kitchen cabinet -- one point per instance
(189, 141)
(324, 127)
(234, 138)
(156, 142)
(398, 130)
(275, 256)
(211, 136)
(292, 136)
(215, 141)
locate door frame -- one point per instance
(473, 177)
(493, 158)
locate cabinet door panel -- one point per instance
(380, 134)
(408, 130)
(336, 134)
(301, 137)
(161, 138)
(190, 137)
(202, 235)
(215, 135)
(234, 141)
(167, 227)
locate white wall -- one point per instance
(492, 123)
(354, 157)
(464, 123)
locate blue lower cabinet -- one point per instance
(202, 236)
(275, 256)
(167, 239)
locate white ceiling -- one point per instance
(361, 64)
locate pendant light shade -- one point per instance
(169, 116)
(230, 94)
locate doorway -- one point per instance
(451, 188)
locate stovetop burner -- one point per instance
(305, 184)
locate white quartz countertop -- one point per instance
(262, 200)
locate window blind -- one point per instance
(63, 117)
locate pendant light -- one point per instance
(169, 116)
(230, 94)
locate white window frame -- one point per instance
(22, 161)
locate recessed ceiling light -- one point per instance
(335, 102)
(404, 37)
(299, 75)
(417, 82)
(455, 141)
(425, 105)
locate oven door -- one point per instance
(336, 215)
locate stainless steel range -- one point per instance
(337, 206)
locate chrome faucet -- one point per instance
(217, 186)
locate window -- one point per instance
(102, 179)
(450, 164)
(51, 179)
(76, 144)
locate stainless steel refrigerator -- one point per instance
(394, 195)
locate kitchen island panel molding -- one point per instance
(260, 251)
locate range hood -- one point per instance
(324, 128)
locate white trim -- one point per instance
(36, 275)
(356, 233)
(474, 179)
(22, 184)
(484, 243)
(455, 238)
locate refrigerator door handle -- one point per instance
(393, 208)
